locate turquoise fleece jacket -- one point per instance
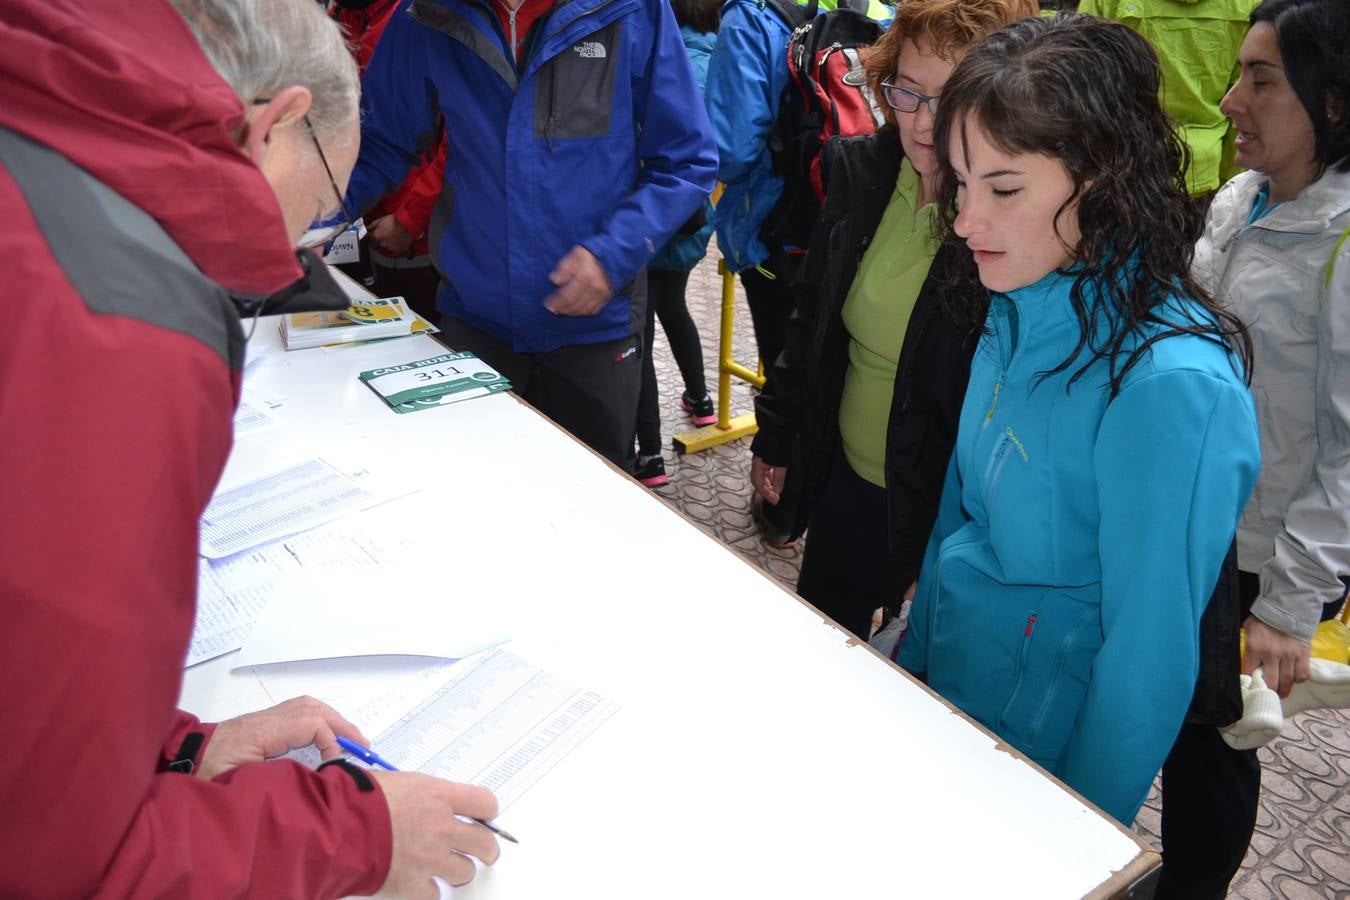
(1078, 540)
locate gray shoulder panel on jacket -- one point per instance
(440, 19)
(115, 255)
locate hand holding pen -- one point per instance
(371, 758)
(432, 836)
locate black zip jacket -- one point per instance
(798, 410)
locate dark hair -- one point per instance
(701, 15)
(1314, 40)
(1085, 92)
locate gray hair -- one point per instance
(263, 46)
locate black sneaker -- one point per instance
(651, 470)
(703, 412)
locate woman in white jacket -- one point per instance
(1275, 250)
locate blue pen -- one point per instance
(371, 758)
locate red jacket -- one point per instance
(412, 201)
(132, 230)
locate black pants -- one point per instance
(665, 299)
(845, 568)
(590, 390)
(1210, 795)
(771, 301)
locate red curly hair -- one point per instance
(948, 27)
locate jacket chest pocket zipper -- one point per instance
(1019, 667)
(998, 458)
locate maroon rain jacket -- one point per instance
(133, 233)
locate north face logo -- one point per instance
(590, 50)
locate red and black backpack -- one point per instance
(826, 95)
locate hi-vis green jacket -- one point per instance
(1197, 43)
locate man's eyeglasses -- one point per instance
(906, 101)
(330, 226)
(319, 235)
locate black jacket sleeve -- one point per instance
(780, 408)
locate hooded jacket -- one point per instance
(1078, 541)
(1287, 276)
(135, 233)
(597, 138)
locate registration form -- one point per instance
(493, 720)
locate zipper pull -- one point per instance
(1031, 623)
(993, 404)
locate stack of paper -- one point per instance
(365, 321)
(280, 503)
(447, 378)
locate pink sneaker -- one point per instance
(651, 471)
(703, 412)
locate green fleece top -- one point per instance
(1197, 44)
(876, 314)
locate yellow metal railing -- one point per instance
(726, 428)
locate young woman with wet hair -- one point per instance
(1107, 441)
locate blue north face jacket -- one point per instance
(599, 138)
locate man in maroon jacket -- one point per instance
(146, 207)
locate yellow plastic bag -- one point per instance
(1332, 640)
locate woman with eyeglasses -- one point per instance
(1107, 442)
(862, 404)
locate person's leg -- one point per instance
(1210, 792)
(659, 283)
(517, 367)
(1210, 798)
(592, 391)
(684, 346)
(680, 329)
(770, 302)
(844, 567)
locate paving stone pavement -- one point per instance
(1302, 844)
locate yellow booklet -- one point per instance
(369, 320)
